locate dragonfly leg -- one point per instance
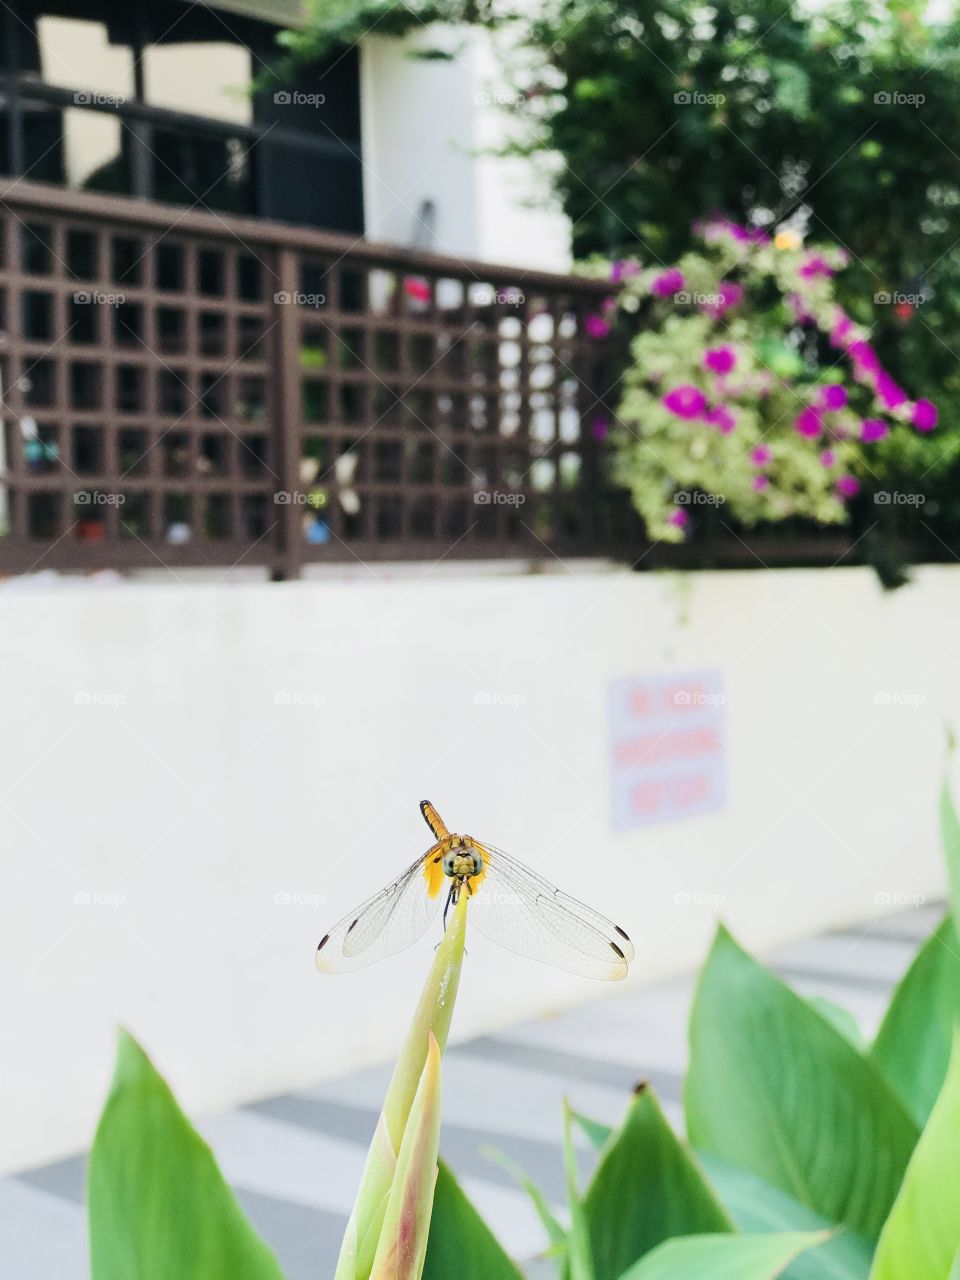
(451, 898)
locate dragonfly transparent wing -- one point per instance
(525, 913)
(390, 921)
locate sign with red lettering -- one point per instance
(667, 743)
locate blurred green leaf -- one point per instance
(556, 1231)
(579, 1253)
(912, 1047)
(598, 1134)
(774, 1088)
(950, 836)
(842, 1019)
(722, 1257)
(158, 1204)
(646, 1189)
(755, 1207)
(461, 1245)
(922, 1235)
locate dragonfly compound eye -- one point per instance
(450, 864)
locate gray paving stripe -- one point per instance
(573, 1066)
(461, 1146)
(305, 1239)
(847, 981)
(64, 1179)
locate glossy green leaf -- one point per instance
(912, 1047)
(922, 1235)
(725, 1257)
(461, 1245)
(774, 1088)
(646, 1189)
(950, 838)
(158, 1204)
(755, 1207)
(579, 1255)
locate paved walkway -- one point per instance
(295, 1160)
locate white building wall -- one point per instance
(196, 781)
(426, 126)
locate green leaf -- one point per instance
(598, 1134)
(922, 1235)
(756, 1207)
(774, 1088)
(646, 1189)
(840, 1018)
(950, 837)
(912, 1047)
(727, 1257)
(461, 1245)
(578, 1238)
(158, 1204)
(556, 1231)
(955, 1269)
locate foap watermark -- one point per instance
(894, 698)
(694, 98)
(493, 698)
(497, 98)
(299, 498)
(897, 99)
(898, 498)
(92, 98)
(98, 498)
(685, 298)
(294, 98)
(883, 298)
(498, 498)
(698, 698)
(98, 698)
(694, 898)
(697, 498)
(299, 698)
(896, 898)
(298, 299)
(298, 898)
(487, 296)
(95, 298)
(98, 898)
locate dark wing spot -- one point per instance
(323, 941)
(621, 932)
(640, 1088)
(614, 947)
(355, 921)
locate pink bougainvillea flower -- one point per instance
(848, 486)
(828, 458)
(667, 283)
(924, 415)
(685, 401)
(678, 517)
(843, 327)
(815, 266)
(728, 294)
(720, 359)
(760, 482)
(832, 397)
(600, 427)
(761, 455)
(873, 429)
(597, 326)
(888, 392)
(808, 423)
(721, 418)
(417, 289)
(864, 356)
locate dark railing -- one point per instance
(185, 388)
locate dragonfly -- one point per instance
(509, 904)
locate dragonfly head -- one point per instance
(462, 864)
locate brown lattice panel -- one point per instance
(181, 388)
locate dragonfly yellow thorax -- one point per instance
(457, 858)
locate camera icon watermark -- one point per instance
(693, 98)
(97, 698)
(894, 898)
(294, 98)
(894, 698)
(91, 98)
(98, 898)
(498, 498)
(897, 299)
(697, 498)
(898, 498)
(297, 299)
(299, 698)
(298, 898)
(316, 498)
(98, 498)
(94, 298)
(694, 898)
(896, 99)
(493, 698)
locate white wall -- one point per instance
(181, 798)
(427, 129)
